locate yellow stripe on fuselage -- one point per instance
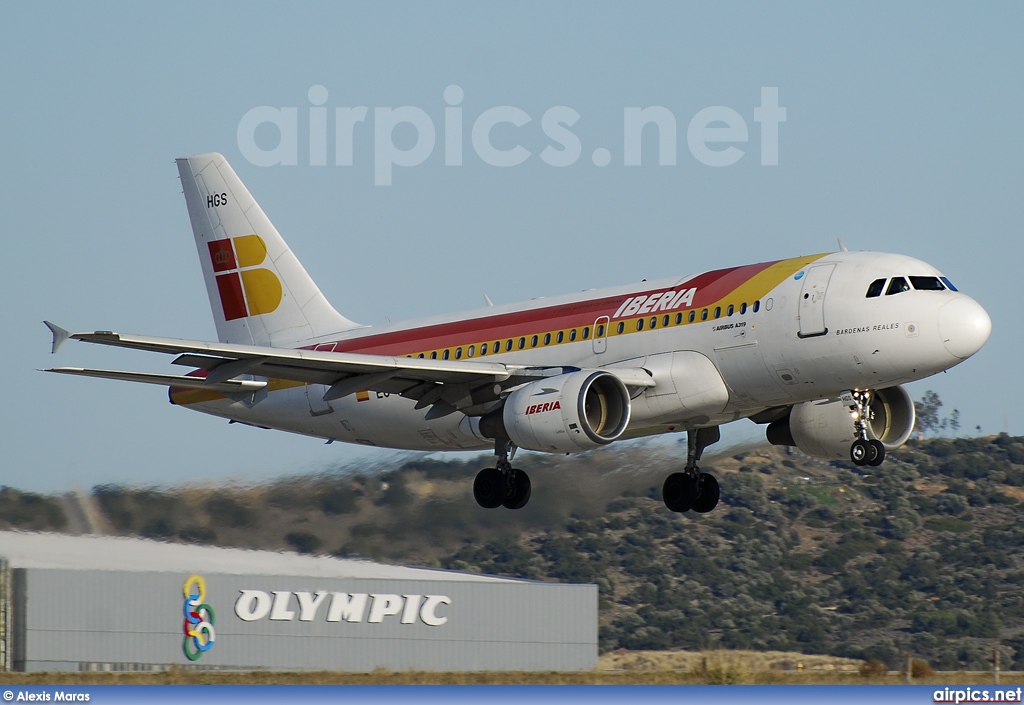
(753, 289)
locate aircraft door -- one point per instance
(812, 301)
(601, 334)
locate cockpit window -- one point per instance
(897, 286)
(926, 283)
(949, 284)
(876, 288)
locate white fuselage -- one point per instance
(808, 334)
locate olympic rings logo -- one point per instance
(199, 619)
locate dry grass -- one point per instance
(618, 668)
(747, 661)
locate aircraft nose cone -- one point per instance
(964, 326)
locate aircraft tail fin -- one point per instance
(259, 292)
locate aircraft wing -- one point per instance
(444, 385)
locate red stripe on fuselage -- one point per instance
(710, 286)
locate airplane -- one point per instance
(816, 348)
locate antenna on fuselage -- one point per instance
(842, 245)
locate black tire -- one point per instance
(679, 491)
(489, 488)
(861, 452)
(879, 453)
(519, 490)
(707, 495)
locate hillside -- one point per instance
(925, 553)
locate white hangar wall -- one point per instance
(320, 613)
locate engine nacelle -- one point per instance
(825, 429)
(563, 414)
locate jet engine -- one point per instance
(825, 429)
(563, 414)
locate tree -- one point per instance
(927, 411)
(954, 420)
(928, 419)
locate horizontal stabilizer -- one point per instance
(233, 386)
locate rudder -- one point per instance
(259, 292)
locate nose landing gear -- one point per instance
(865, 451)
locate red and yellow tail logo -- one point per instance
(262, 288)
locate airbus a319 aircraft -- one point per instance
(814, 347)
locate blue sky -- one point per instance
(902, 134)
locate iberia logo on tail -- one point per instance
(235, 261)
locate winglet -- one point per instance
(59, 336)
(842, 245)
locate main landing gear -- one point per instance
(865, 451)
(691, 488)
(504, 485)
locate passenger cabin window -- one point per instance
(471, 351)
(433, 355)
(926, 283)
(508, 345)
(600, 331)
(679, 318)
(572, 335)
(704, 315)
(586, 332)
(731, 310)
(458, 353)
(547, 339)
(620, 327)
(897, 286)
(533, 342)
(639, 324)
(561, 336)
(654, 321)
(445, 354)
(743, 308)
(664, 320)
(693, 314)
(522, 343)
(875, 289)
(757, 306)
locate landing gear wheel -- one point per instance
(679, 491)
(707, 495)
(518, 491)
(489, 488)
(861, 452)
(879, 453)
